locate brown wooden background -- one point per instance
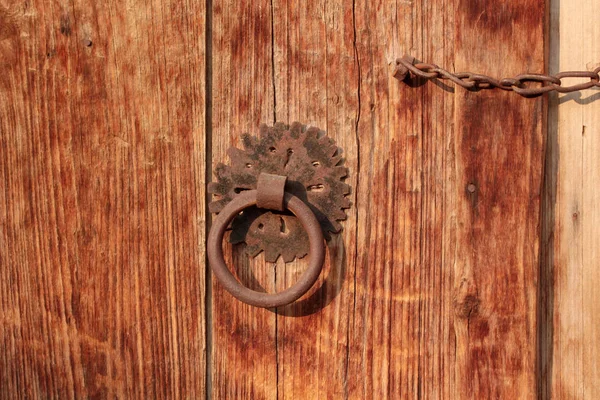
(113, 114)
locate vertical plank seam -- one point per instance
(542, 297)
(358, 160)
(272, 12)
(421, 207)
(549, 203)
(273, 71)
(208, 320)
(581, 211)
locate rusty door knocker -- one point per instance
(286, 169)
(269, 195)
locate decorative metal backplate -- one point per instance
(312, 163)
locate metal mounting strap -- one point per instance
(270, 191)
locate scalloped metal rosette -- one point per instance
(312, 163)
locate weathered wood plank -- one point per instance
(401, 338)
(410, 306)
(571, 367)
(316, 83)
(499, 150)
(102, 200)
(244, 359)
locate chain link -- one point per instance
(520, 84)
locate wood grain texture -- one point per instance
(244, 355)
(316, 78)
(500, 148)
(102, 201)
(571, 368)
(401, 335)
(431, 290)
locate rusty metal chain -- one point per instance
(406, 66)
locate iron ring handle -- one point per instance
(232, 285)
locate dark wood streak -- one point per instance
(500, 147)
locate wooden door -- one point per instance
(456, 274)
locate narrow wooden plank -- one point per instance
(452, 244)
(244, 360)
(499, 151)
(316, 83)
(401, 335)
(102, 201)
(572, 368)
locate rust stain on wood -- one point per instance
(500, 146)
(65, 24)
